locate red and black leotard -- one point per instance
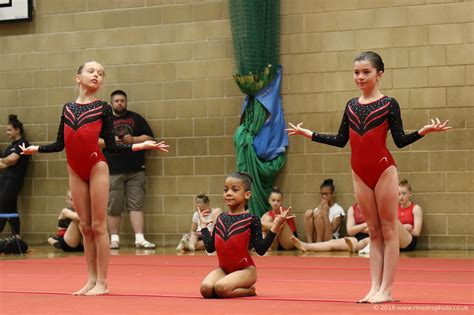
(79, 131)
(233, 236)
(366, 125)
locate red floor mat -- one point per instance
(170, 284)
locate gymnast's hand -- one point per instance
(298, 130)
(32, 149)
(205, 212)
(151, 145)
(202, 220)
(280, 219)
(435, 126)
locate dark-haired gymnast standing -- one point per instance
(365, 123)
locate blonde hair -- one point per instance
(81, 67)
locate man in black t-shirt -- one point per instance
(127, 171)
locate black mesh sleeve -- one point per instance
(396, 127)
(208, 239)
(260, 244)
(107, 133)
(339, 140)
(58, 145)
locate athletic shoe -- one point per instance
(365, 250)
(114, 245)
(182, 244)
(145, 244)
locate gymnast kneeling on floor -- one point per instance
(235, 232)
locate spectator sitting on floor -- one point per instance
(323, 223)
(193, 240)
(357, 238)
(283, 239)
(68, 237)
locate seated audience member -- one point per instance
(193, 240)
(410, 216)
(68, 237)
(356, 229)
(283, 239)
(324, 222)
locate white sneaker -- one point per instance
(114, 245)
(365, 250)
(182, 244)
(145, 244)
(190, 244)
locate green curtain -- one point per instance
(263, 172)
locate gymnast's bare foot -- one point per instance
(298, 244)
(381, 297)
(99, 289)
(89, 285)
(350, 244)
(252, 290)
(369, 295)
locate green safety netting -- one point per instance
(255, 26)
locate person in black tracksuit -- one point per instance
(13, 168)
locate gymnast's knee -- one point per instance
(86, 229)
(99, 228)
(389, 231)
(375, 234)
(223, 290)
(207, 291)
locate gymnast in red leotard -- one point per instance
(365, 123)
(81, 124)
(80, 127)
(366, 126)
(234, 234)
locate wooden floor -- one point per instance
(50, 252)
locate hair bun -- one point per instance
(404, 181)
(328, 181)
(245, 174)
(12, 117)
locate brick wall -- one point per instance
(174, 59)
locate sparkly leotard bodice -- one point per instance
(79, 131)
(233, 236)
(366, 125)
